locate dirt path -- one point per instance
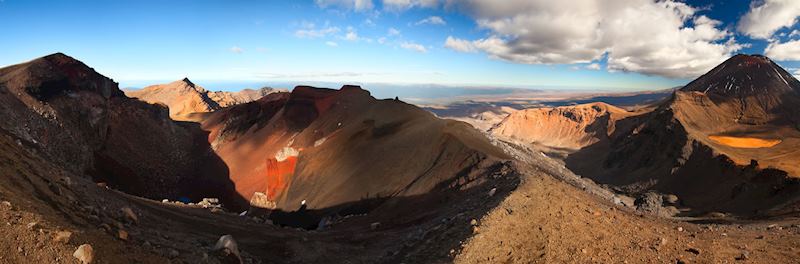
(547, 221)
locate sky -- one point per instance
(579, 44)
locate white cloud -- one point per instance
(351, 36)
(236, 49)
(460, 45)
(767, 17)
(681, 44)
(413, 46)
(431, 20)
(593, 66)
(311, 32)
(357, 5)
(393, 32)
(787, 51)
(331, 43)
(401, 5)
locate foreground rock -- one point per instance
(227, 250)
(84, 253)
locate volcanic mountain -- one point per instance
(566, 127)
(728, 141)
(184, 98)
(80, 120)
(332, 147)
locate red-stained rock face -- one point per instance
(278, 175)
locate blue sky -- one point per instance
(455, 43)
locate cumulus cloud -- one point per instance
(236, 49)
(593, 66)
(357, 5)
(393, 32)
(431, 20)
(331, 43)
(786, 51)
(664, 38)
(400, 5)
(460, 45)
(766, 17)
(413, 46)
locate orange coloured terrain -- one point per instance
(745, 142)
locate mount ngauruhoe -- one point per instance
(728, 141)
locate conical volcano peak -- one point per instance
(749, 60)
(745, 75)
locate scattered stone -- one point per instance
(129, 215)
(122, 235)
(760, 237)
(693, 251)
(744, 256)
(62, 237)
(210, 203)
(716, 215)
(67, 181)
(670, 199)
(375, 225)
(165, 201)
(55, 188)
(102, 185)
(227, 248)
(32, 225)
(653, 203)
(492, 192)
(680, 229)
(84, 253)
(473, 222)
(584, 251)
(174, 253)
(6, 204)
